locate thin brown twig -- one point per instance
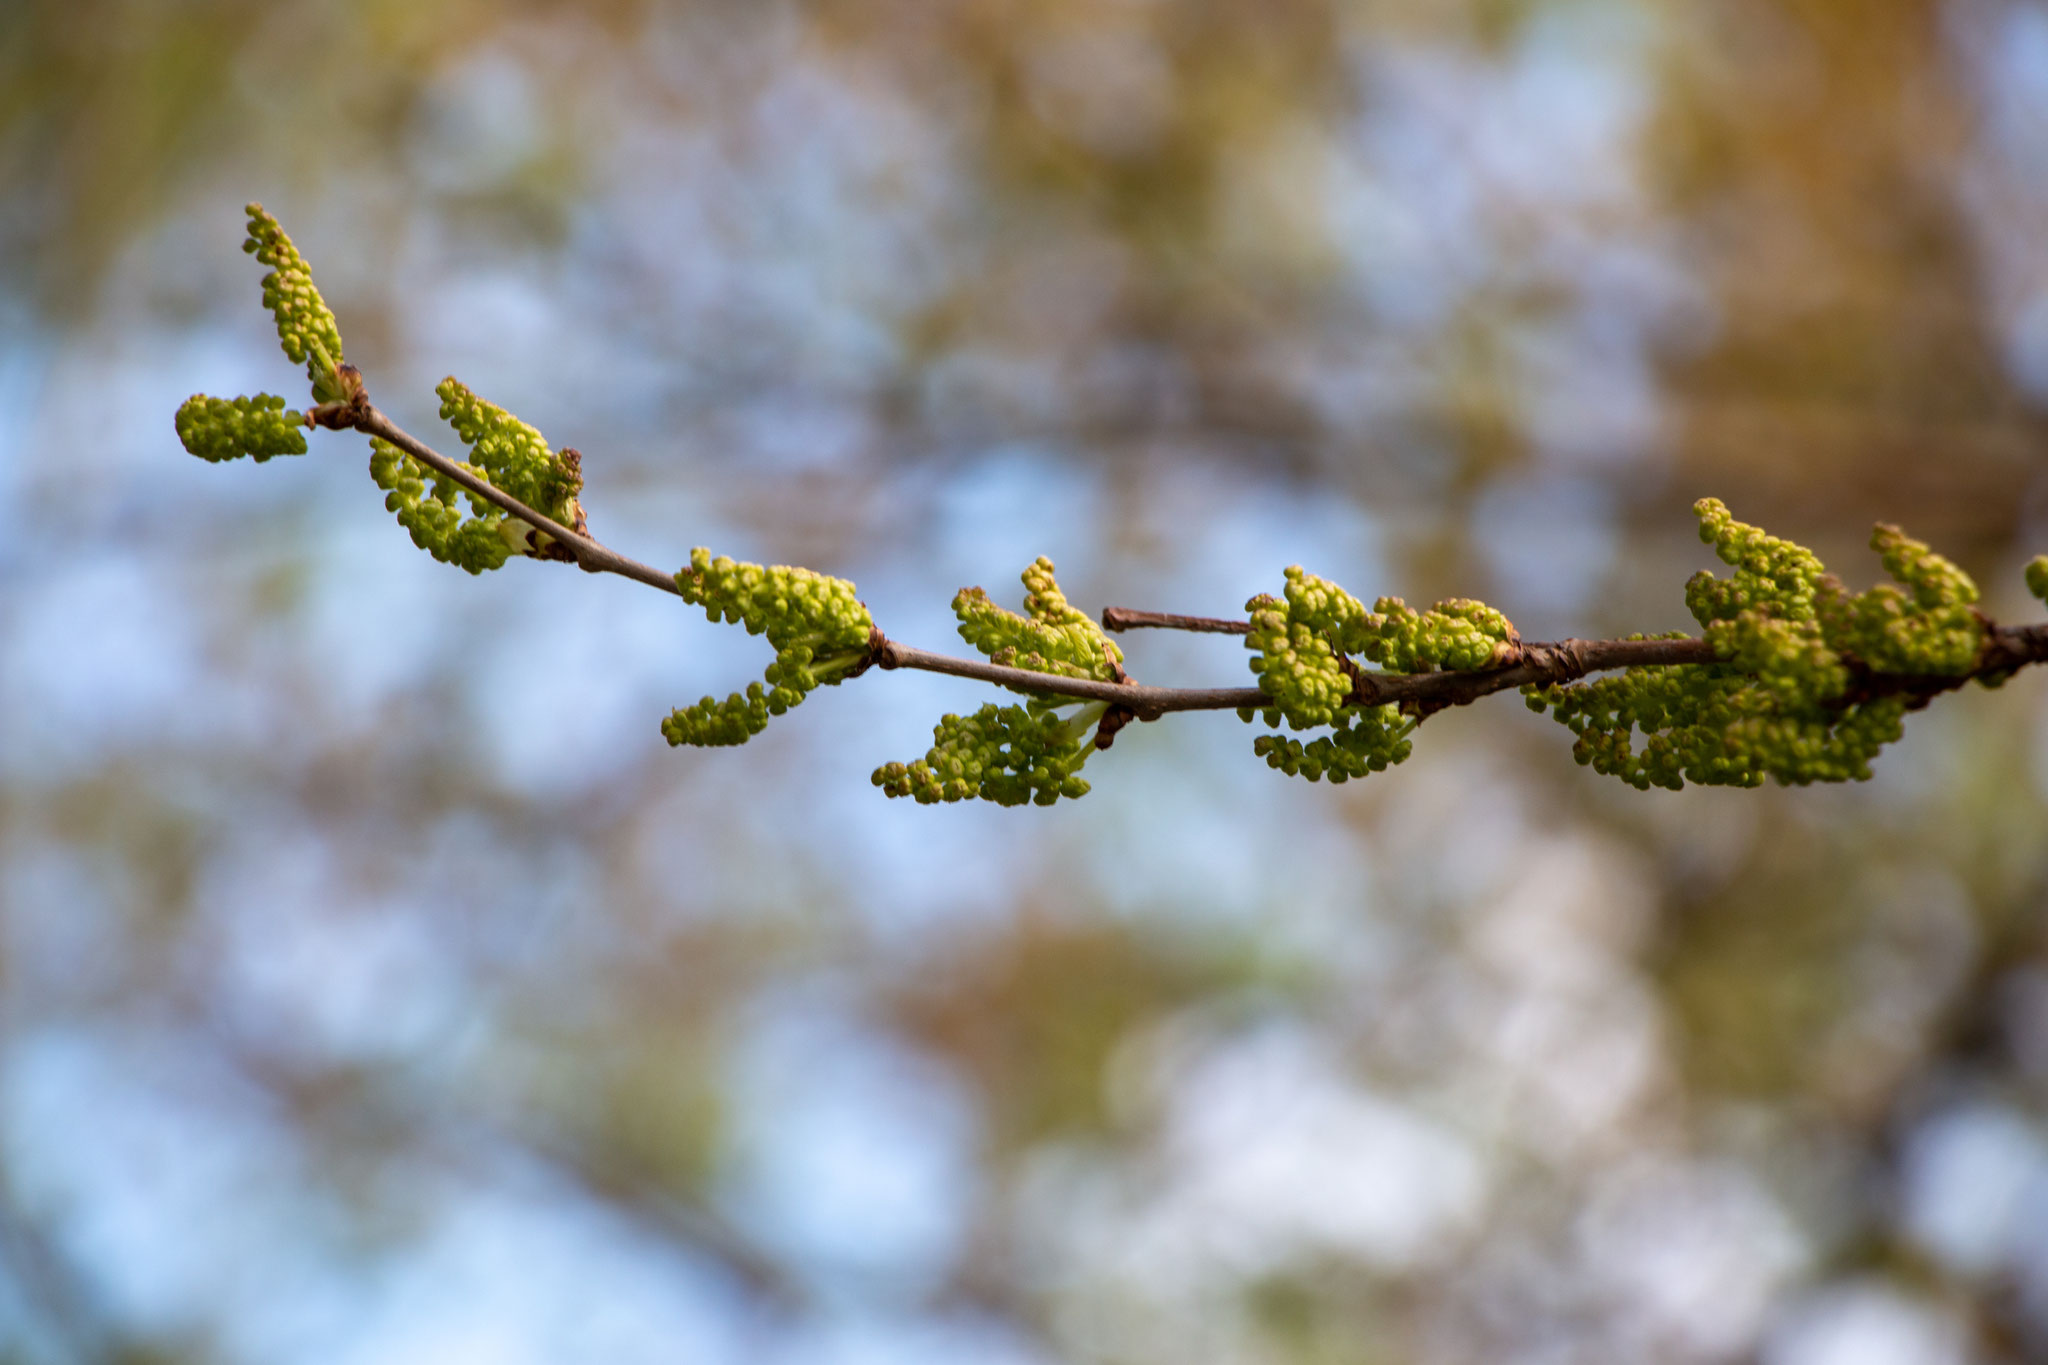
(1126, 618)
(591, 556)
(1146, 702)
(2006, 648)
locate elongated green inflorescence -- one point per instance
(512, 455)
(509, 455)
(1458, 635)
(305, 324)
(429, 506)
(1297, 644)
(1014, 754)
(1785, 702)
(818, 628)
(1005, 754)
(1051, 637)
(1365, 739)
(1302, 645)
(218, 429)
(1928, 624)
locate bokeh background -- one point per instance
(375, 986)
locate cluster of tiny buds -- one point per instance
(512, 455)
(1051, 637)
(1296, 665)
(1016, 754)
(1459, 634)
(1303, 643)
(1006, 754)
(431, 512)
(1791, 638)
(305, 324)
(817, 626)
(217, 429)
(1365, 740)
(505, 453)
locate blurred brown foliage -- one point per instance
(1477, 1061)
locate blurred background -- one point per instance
(376, 986)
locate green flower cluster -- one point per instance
(1005, 754)
(509, 455)
(428, 506)
(1014, 754)
(2037, 576)
(1927, 625)
(1716, 725)
(1772, 575)
(513, 456)
(305, 325)
(1367, 739)
(1783, 701)
(1458, 635)
(1298, 646)
(1052, 636)
(219, 429)
(1302, 644)
(818, 628)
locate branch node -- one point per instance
(1566, 661)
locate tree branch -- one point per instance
(1147, 702)
(2006, 648)
(1124, 618)
(591, 556)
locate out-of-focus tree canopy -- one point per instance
(376, 985)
